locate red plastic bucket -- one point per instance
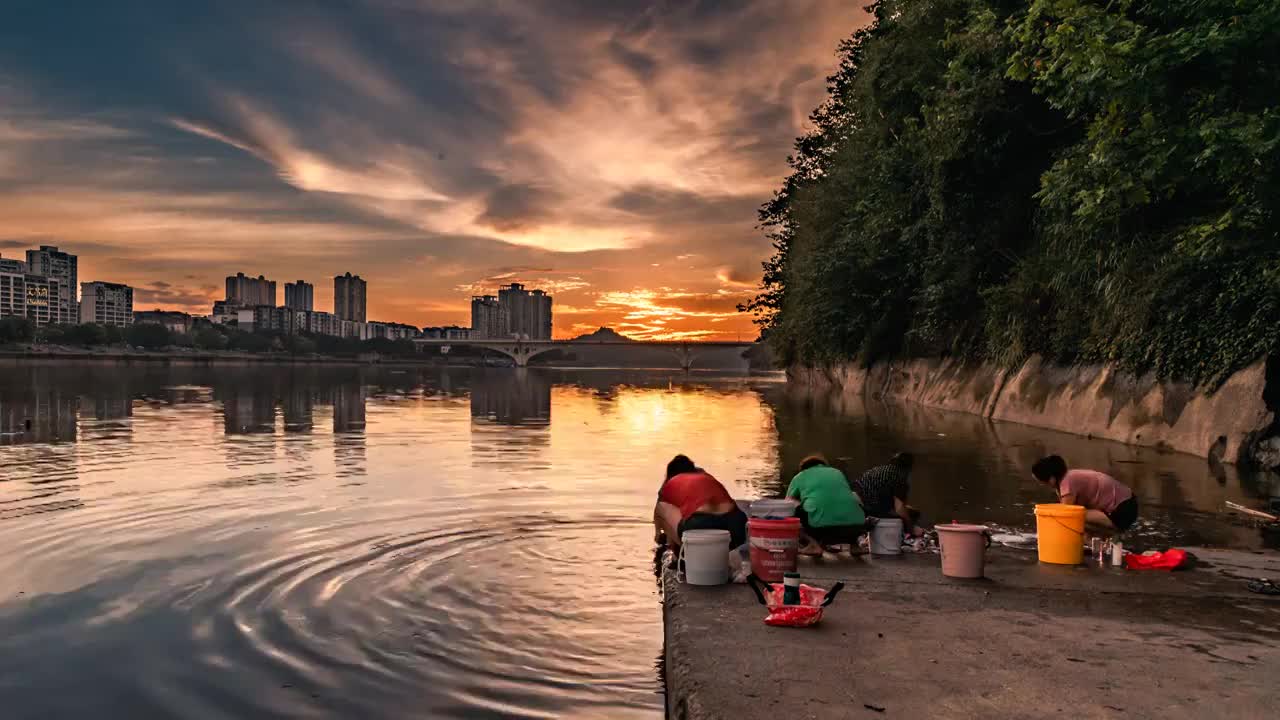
(774, 544)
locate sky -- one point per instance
(612, 153)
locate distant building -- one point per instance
(106, 303)
(449, 332)
(323, 323)
(44, 299)
(13, 288)
(300, 295)
(349, 298)
(488, 318)
(528, 312)
(223, 312)
(391, 331)
(262, 318)
(172, 320)
(52, 263)
(248, 292)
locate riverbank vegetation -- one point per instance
(1090, 181)
(206, 337)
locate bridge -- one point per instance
(521, 351)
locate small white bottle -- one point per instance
(1117, 553)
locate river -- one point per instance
(393, 543)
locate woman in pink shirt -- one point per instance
(1108, 502)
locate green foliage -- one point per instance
(16, 330)
(1087, 180)
(87, 334)
(210, 337)
(333, 345)
(150, 336)
(300, 345)
(249, 341)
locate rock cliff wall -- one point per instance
(1236, 422)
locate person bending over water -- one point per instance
(691, 499)
(829, 511)
(884, 491)
(1108, 502)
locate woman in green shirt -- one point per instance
(830, 511)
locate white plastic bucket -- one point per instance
(770, 509)
(886, 536)
(704, 553)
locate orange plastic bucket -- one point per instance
(774, 545)
(1060, 533)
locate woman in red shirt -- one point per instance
(691, 499)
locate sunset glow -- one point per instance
(613, 154)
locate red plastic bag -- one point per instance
(808, 612)
(1167, 560)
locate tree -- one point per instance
(87, 334)
(209, 337)
(151, 336)
(53, 333)
(249, 341)
(300, 345)
(1086, 180)
(16, 330)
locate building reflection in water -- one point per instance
(510, 418)
(348, 408)
(518, 397)
(299, 407)
(35, 410)
(245, 411)
(349, 453)
(39, 410)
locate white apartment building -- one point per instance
(13, 288)
(54, 264)
(44, 299)
(106, 303)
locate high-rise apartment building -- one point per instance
(52, 263)
(106, 303)
(246, 291)
(13, 287)
(43, 296)
(349, 296)
(528, 312)
(488, 318)
(300, 295)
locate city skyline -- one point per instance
(49, 297)
(612, 154)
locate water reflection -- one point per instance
(348, 408)
(34, 411)
(400, 542)
(299, 407)
(519, 397)
(973, 470)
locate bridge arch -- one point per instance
(520, 352)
